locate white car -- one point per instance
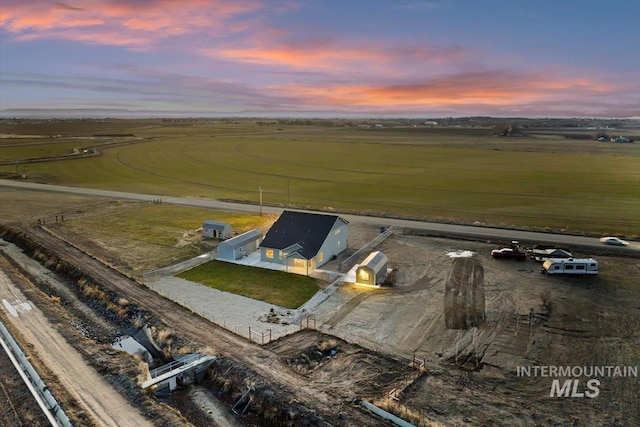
(613, 241)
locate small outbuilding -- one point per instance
(216, 230)
(240, 245)
(373, 270)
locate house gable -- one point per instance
(303, 234)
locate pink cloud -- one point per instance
(497, 88)
(119, 22)
(326, 54)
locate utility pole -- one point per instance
(260, 190)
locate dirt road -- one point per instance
(101, 401)
(263, 363)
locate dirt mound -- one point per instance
(464, 301)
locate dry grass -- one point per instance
(328, 344)
(143, 372)
(93, 292)
(412, 416)
(546, 296)
(138, 322)
(163, 337)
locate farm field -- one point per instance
(539, 181)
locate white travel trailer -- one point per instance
(570, 266)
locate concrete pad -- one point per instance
(236, 313)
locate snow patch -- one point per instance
(460, 254)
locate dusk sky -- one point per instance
(434, 58)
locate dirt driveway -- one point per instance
(408, 319)
(103, 404)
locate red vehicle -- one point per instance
(508, 253)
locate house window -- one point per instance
(280, 255)
(364, 275)
(339, 243)
(269, 253)
(338, 231)
(320, 257)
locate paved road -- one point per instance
(475, 232)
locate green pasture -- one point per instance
(35, 149)
(151, 236)
(271, 286)
(461, 175)
(160, 224)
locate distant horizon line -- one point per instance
(48, 113)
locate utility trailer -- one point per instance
(570, 266)
(542, 255)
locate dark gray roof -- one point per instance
(309, 230)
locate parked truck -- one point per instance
(570, 266)
(512, 252)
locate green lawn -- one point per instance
(271, 286)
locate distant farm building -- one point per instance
(216, 230)
(304, 241)
(240, 245)
(373, 270)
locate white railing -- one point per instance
(37, 387)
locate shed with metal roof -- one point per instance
(216, 230)
(373, 270)
(240, 245)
